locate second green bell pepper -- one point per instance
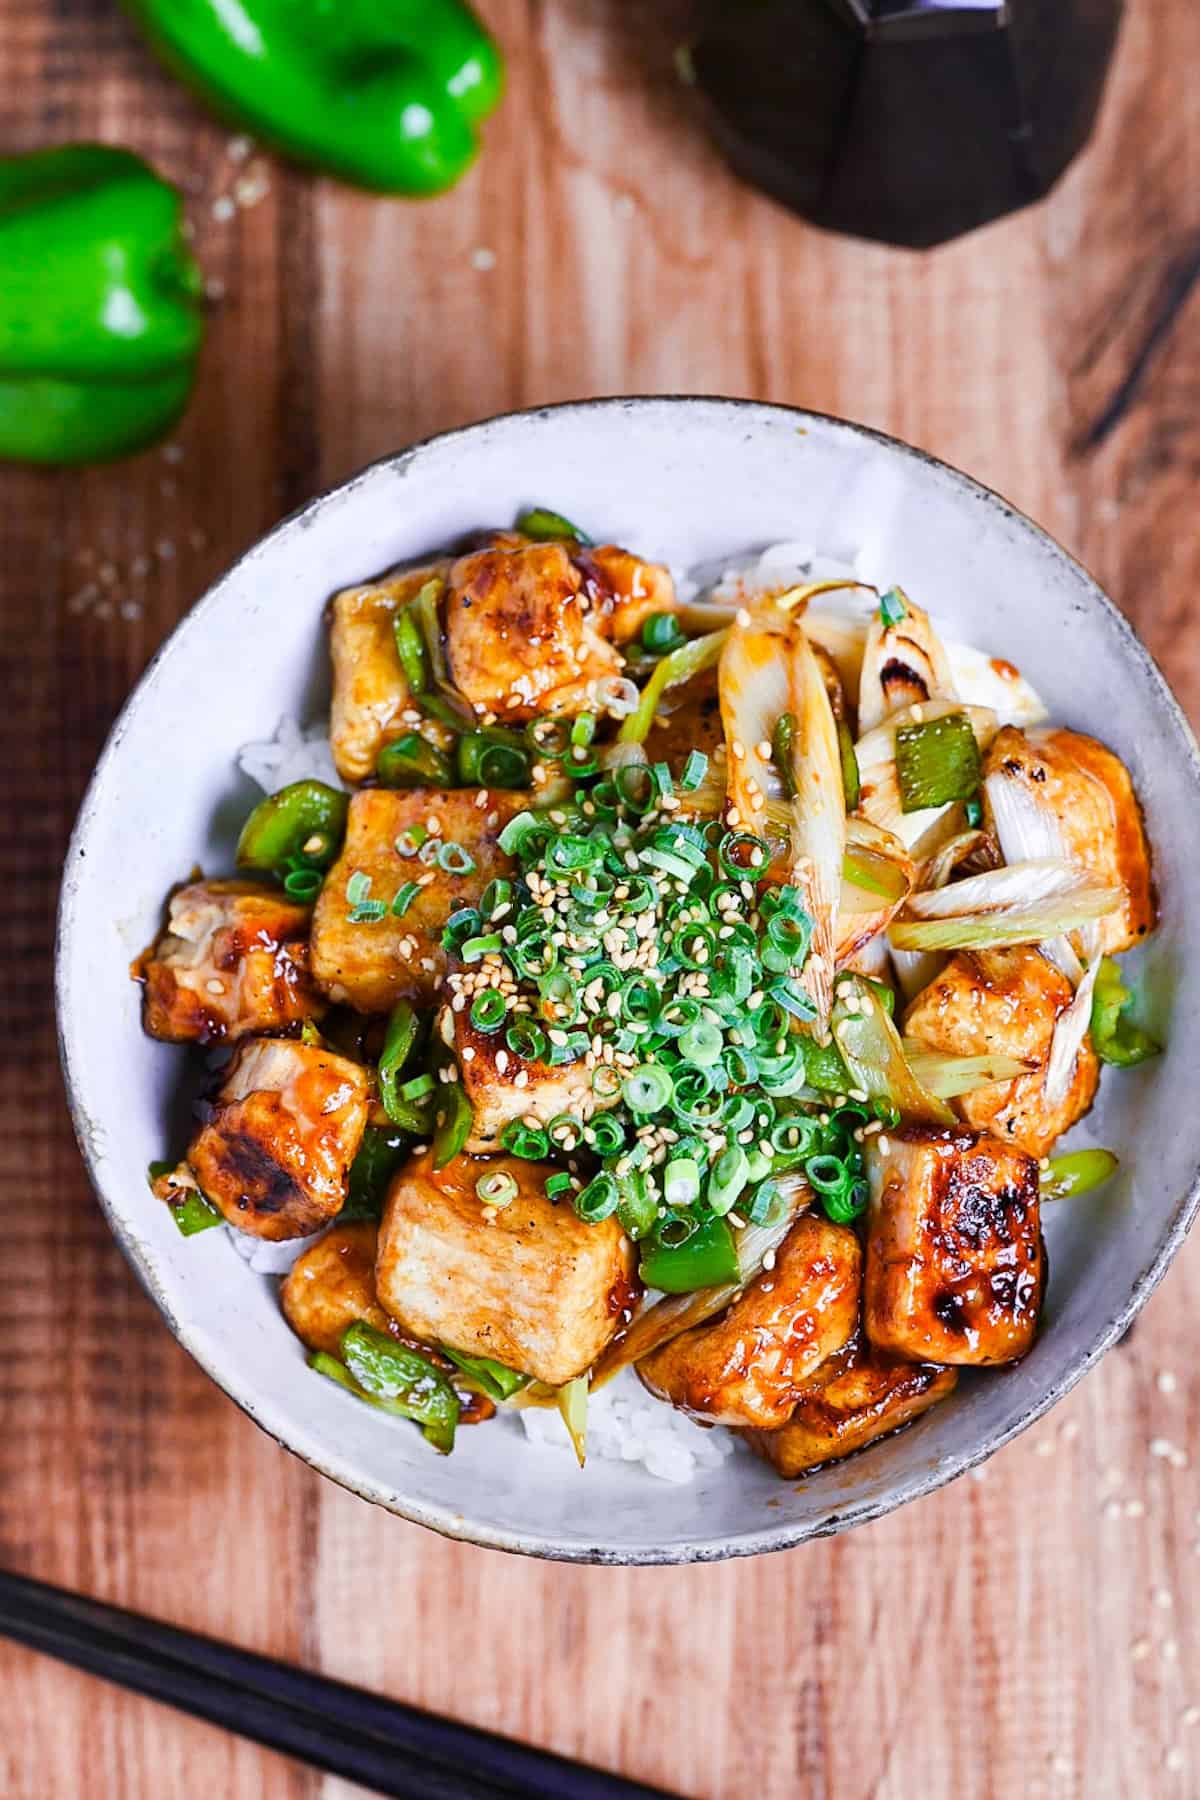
(385, 93)
(101, 315)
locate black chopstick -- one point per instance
(363, 1737)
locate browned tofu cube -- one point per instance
(332, 1286)
(624, 590)
(1092, 797)
(749, 1366)
(281, 1134)
(852, 1400)
(371, 963)
(954, 1254)
(528, 1284)
(522, 638)
(1006, 1002)
(503, 1086)
(232, 960)
(369, 690)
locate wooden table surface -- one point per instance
(1031, 1632)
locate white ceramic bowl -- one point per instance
(686, 480)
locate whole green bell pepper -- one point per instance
(386, 93)
(101, 315)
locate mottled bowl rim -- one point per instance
(450, 1522)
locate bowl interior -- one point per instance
(687, 481)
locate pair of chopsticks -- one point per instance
(363, 1737)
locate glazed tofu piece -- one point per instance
(528, 1284)
(955, 1269)
(286, 1123)
(625, 590)
(852, 1400)
(1096, 809)
(369, 690)
(232, 960)
(370, 964)
(522, 636)
(503, 1086)
(332, 1286)
(749, 1367)
(693, 724)
(1006, 1002)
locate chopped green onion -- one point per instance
(605, 1135)
(702, 1043)
(540, 523)
(406, 893)
(497, 1189)
(494, 758)
(303, 884)
(1077, 1172)
(559, 1183)
(455, 859)
(489, 1009)
(599, 1199)
(476, 948)
(526, 1039)
(527, 1141)
(637, 1208)
(681, 1181)
(893, 607)
(706, 1258)
(937, 762)
(410, 840)
(661, 633)
(516, 832)
(648, 1088)
(694, 770)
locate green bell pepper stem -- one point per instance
(708, 1259)
(388, 94)
(493, 1379)
(101, 305)
(406, 1382)
(283, 825)
(1077, 1172)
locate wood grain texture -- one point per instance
(1031, 1632)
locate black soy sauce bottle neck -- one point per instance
(907, 121)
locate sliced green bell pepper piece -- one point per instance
(101, 316)
(495, 1380)
(285, 824)
(707, 1259)
(1116, 1039)
(405, 1382)
(385, 93)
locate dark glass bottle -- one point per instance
(910, 121)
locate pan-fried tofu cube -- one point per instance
(1006, 1002)
(503, 1086)
(370, 694)
(286, 1123)
(852, 1400)
(522, 637)
(528, 1284)
(232, 960)
(332, 1286)
(371, 963)
(1092, 797)
(749, 1366)
(625, 590)
(955, 1269)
